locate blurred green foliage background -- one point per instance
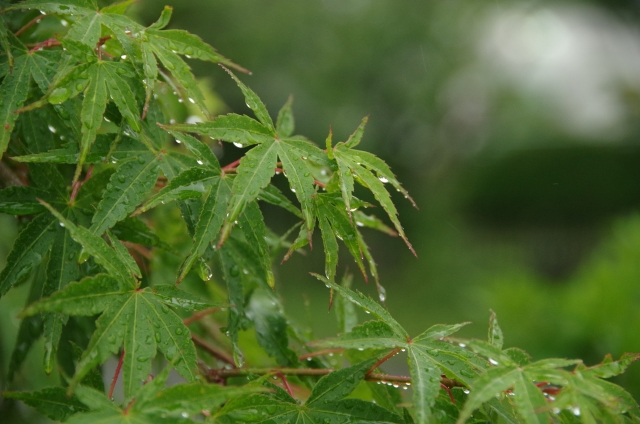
(513, 124)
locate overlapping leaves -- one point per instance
(325, 404)
(429, 357)
(140, 320)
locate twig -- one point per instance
(212, 350)
(232, 166)
(390, 355)
(285, 382)
(126, 410)
(224, 373)
(51, 42)
(78, 184)
(29, 24)
(116, 374)
(448, 390)
(319, 353)
(199, 315)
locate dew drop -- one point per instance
(234, 271)
(59, 95)
(121, 178)
(200, 162)
(238, 145)
(383, 180)
(191, 100)
(179, 331)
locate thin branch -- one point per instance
(448, 390)
(199, 315)
(319, 353)
(78, 184)
(116, 374)
(232, 166)
(51, 42)
(212, 350)
(29, 24)
(285, 382)
(126, 410)
(390, 355)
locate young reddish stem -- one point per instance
(285, 382)
(319, 353)
(384, 359)
(199, 315)
(232, 166)
(126, 410)
(29, 24)
(224, 373)
(448, 390)
(51, 42)
(116, 374)
(213, 351)
(78, 184)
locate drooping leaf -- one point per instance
(61, 270)
(231, 270)
(369, 305)
(271, 327)
(30, 328)
(345, 310)
(251, 222)
(285, 123)
(209, 222)
(496, 337)
(254, 173)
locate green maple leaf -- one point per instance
(52, 402)
(326, 403)
(27, 254)
(139, 319)
(27, 65)
(429, 357)
(152, 403)
(368, 170)
(165, 46)
(259, 164)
